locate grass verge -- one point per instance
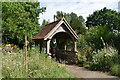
(40, 66)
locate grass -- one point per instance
(40, 66)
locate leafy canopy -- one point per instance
(104, 17)
(20, 19)
(76, 22)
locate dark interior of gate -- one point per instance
(62, 44)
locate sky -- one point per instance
(80, 7)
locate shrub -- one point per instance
(81, 42)
(81, 59)
(103, 59)
(84, 54)
(115, 69)
(94, 34)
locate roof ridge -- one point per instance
(49, 27)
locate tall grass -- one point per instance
(107, 59)
(40, 66)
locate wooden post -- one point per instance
(41, 43)
(48, 46)
(65, 47)
(26, 58)
(75, 47)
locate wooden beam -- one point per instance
(26, 58)
(48, 46)
(41, 43)
(75, 46)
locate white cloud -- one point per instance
(80, 7)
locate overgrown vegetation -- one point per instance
(104, 59)
(99, 47)
(40, 66)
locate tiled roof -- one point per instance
(46, 30)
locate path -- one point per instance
(81, 72)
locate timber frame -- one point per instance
(59, 30)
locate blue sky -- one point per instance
(80, 7)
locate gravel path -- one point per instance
(81, 72)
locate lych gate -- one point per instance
(58, 35)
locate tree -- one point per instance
(110, 19)
(20, 19)
(76, 22)
(94, 34)
(44, 23)
(104, 17)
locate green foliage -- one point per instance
(92, 40)
(115, 69)
(13, 65)
(86, 51)
(84, 55)
(43, 24)
(76, 22)
(81, 59)
(40, 66)
(93, 55)
(116, 41)
(104, 17)
(82, 41)
(20, 19)
(95, 51)
(93, 36)
(110, 19)
(103, 59)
